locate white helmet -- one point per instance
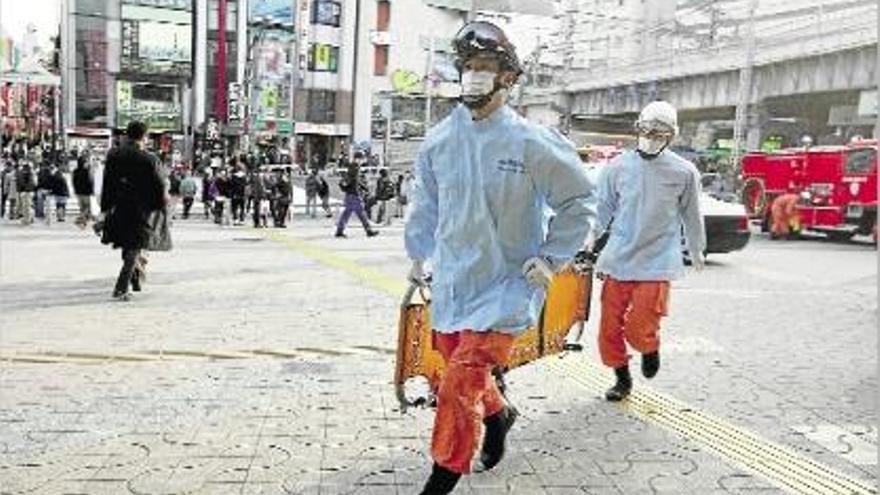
(658, 115)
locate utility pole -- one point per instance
(570, 11)
(745, 88)
(428, 83)
(714, 18)
(877, 75)
(252, 83)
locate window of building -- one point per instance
(213, 51)
(322, 107)
(323, 58)
(380, 61)
(91, 7)
(326, 12)
(231, 15)
(383, 15)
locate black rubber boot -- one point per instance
(441, 481)
(650, 364)
(494, 440)
(622, 388)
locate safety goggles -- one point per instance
(477, 37)
(653, 130)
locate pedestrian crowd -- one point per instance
(235, 191)
(34, 184)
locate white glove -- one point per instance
(698, 261)
(417, 274)
(538, 272)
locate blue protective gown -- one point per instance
(649, 201)
(478, 213)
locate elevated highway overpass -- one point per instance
(808, 81)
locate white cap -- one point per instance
(659, 113)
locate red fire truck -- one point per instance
(841, 182)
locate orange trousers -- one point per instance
(631, 313)
(467, 394)
(784, 214)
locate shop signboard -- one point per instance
(157, 105)
(273, 60)
(169, 42)
(234, 100)
(164, 4)
(156, 38)
(280, 11)
(269, 100)
(304, 33)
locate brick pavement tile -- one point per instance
(333, 409)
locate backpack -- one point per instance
(386, 190)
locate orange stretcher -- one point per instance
(568, 301)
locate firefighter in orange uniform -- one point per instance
(784, 215)
(650, 193)
(483, 178)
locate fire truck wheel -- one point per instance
(765, 222)
(840, 236)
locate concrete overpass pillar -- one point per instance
(755, 122)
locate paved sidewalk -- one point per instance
(260, 362)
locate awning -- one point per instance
(29, 72)
(30, 78)
(339, 130)
(527, 7)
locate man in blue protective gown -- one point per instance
(650, 193)
(485, 179)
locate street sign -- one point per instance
(212, 133)
(381, 38)
(235, 102)
(385, 108)
(868, 103)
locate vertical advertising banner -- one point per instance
(234, 102)
(304, 37)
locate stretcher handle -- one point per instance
(411, 290)
(400, 387)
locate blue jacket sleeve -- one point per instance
(606, 200)
(691, 217)
(561, 179)
(419, 234)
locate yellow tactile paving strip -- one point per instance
(777, 463)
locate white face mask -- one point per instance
(650, 146)
(477, 83)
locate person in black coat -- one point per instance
(44, 189)
(60, 191)
(283, 196)
(84, 188)
(237, 191)
(132, 190)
